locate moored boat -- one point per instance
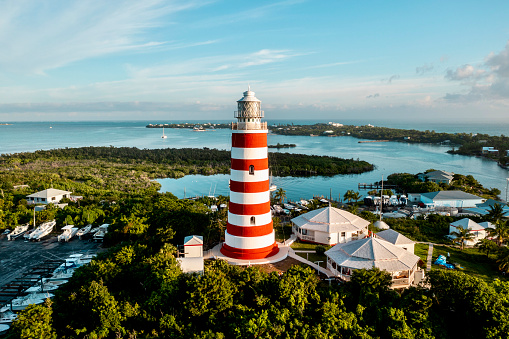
(18, 232)
(82, 231)
(69, 232)
(43, 230)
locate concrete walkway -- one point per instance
(323, 270)
(430, 257)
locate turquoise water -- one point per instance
(388, 157)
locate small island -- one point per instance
(278, 146)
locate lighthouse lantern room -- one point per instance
(249, 233)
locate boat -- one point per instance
(99, 235)
(198, 128)
(163, 136)
(40, 295)
(69, 232)
(43, 230)
(46, 286)
(82, 231)
(18, 232)
(7, 317)
(21, 303)
(4, 328)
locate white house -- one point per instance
(489, 150)
(371, 252)
(193, 246)
(437, 177)
(451, 199)
(479, 231)
(192, 262)
(414, 197)
(397, 239)
(48, 196)
(329, 226)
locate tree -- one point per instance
(496, 213)
(500, 232)
(462, 235)
(487, 246)
(349, 195)
(280, 195)
(35, 322)
(356, 196)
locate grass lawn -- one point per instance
(314, 257)
(474, 262)
(297, 245)
(421, 250)
(283, 233)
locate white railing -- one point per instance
(242, 126)
(307, 237)
(400, 281)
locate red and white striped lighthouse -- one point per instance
(249, 232)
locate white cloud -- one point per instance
(39, 36)
(489, 81)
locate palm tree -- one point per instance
(349, 195)
(356, 196)
(503, 260)
(280, 195)
(501, 231)
(496, 213)
(487, 246)
(462, 235)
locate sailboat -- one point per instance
(164, 136)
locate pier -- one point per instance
(376, 186)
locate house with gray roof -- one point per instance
(457, 199)
(329, 226)
(397, 239)
(477, 230)
(370, 252)
(437, 177)
(50, 195)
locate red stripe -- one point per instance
(258, 253)
(249, 187)
(253, 209)
(249, 140)
(243, 165)
(249, 231)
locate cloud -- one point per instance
(488, 81)
(424, 69)
(373, 96)
(40, 36)
(391, 78)
(215, 64)
(464, 72)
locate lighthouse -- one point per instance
(249, 233)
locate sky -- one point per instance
(191, 60)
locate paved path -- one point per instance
(430, 255)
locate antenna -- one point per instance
(381, 198)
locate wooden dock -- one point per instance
(376, 186)
(364, 141)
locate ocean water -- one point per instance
(389, 157)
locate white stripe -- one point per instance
(249, 198)
(250, 153)
(245, 220)
(250, 131)
(244, 176)
(249, 243)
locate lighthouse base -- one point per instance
(249, 254)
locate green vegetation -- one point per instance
(410, 183)
(421, 250)
(278, 146)
(467, 143)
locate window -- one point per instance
(251, 169)
(53, 198)
(253, 220)
(343, 234)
